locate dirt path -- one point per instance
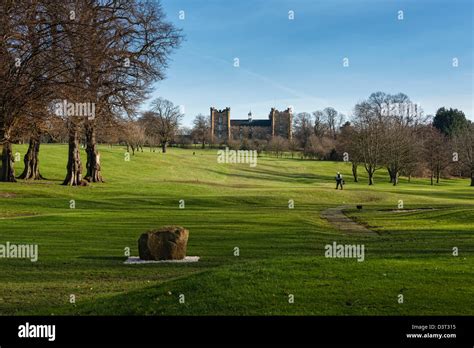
(339, 220)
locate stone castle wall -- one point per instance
(222, 131)
(281, 123)
(220, 125)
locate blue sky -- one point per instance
(299, 62)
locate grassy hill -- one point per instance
(81, 250)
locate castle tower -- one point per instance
(281, 122)
(220, 125)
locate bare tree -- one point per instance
(347, 146)
(233, 144)
(259, 144)
(201, 129)
(110, 132)
(293, 146)
(185, 136)
(320, 127)
(398, 148)
(278, 146)
(436, 152)
(331, 116)
(318, 147)
(128, 45)
(163, 121)
(369, 137)
(303, 126)
(135, 136)
(401, 121)
(464, 146)
(27, 69)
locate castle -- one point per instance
(224, 129)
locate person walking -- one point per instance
(339, 181)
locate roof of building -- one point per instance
(251, 123)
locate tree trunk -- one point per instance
(472, 177)
(431, 177)
(7, 172)
(395, 178)
(390, 173)
(354, 171)
(74, 165)
(163, 147)
(371, 178)
(31, 160)
(93, 156)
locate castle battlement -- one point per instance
(223, 128)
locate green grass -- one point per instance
(81, 250)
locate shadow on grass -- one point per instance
(104, 258)
(276, 176)
(467, 196)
